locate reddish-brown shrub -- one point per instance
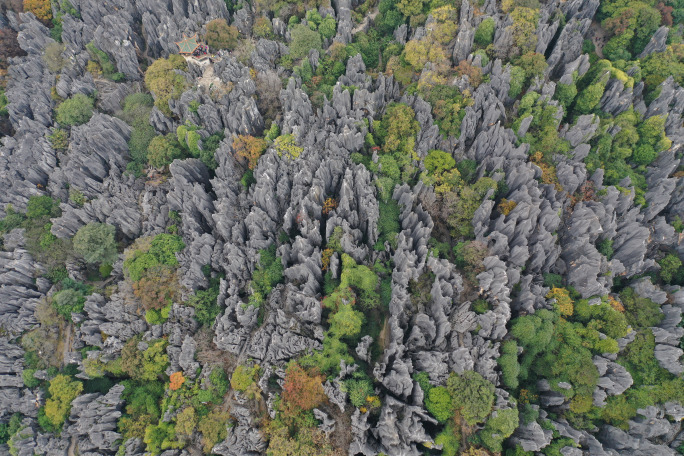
(157, 289)
(303, 390)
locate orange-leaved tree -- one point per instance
(563, 300)
(329, 205)
(325, 258)
(176, 380)
(249, 148)
(41, 8)
(303, 390)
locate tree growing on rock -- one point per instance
(63, 390)
(244, 377)
(410, 7)
(302, 390)
(220, 35)
(76, 110)
(472, 395)
(499, 427)
(346, 322)
(303, 40)
(41, 8)
(163, 150)
(249, 148)
(67, 302)
(484, 35)
(144, 363)
(95, 242)
(164, 83)
(213, 428)
(176, 380)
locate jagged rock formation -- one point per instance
(572, 220)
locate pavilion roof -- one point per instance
(188, 45)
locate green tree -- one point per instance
(30, 381)
(220, 35)
(517, 81)
(670, 267)
(438, 402)
(362, 279)
(359, 390)
(617, 48)
(461, 206)
(76, 110)
(449, 439)
(164, 83)
(472, 395)
(163, 150)
(136, 112)
(108, 68)
(644, 154)
(152, 253)
(508, 361)
(346, 322)
(262, 28)
(468, 170)
(589, 98)
(652, 132)
(388, 223)
(10, 428)
(441, 171)
(244, 377)
(67, 302)
(164, 247)
(387, 21)
(640, 312)
(95, 242)
(499, 427)
(267, 274)
(397, 132)
(484, 35)
(303, 40)
(328, 360)
(605, 247)
(206, 305)
(42, 206)
(533, 64)
(328, 27)
(658, 66)
(161, 436)
(186, 421)
(146, 365)
(313, 18)
(410, 7)
(566, 93)
(213, 428)
(63, 390)
(639, 359)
